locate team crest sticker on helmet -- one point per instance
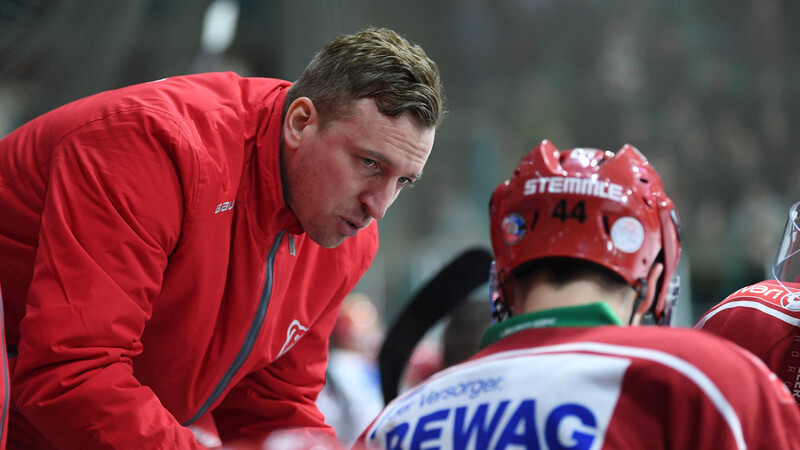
(627, 234)
(513, 228)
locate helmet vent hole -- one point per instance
(605, 225)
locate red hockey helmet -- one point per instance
(594, 205)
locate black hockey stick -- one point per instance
(435, 300)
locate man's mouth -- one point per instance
(350, 227)
(357, 224)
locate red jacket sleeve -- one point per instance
(103, 246)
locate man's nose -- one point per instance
(378, 198)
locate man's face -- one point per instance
(340, 177)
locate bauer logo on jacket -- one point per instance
(225, 206)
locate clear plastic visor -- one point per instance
(786, 268)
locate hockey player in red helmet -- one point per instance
(586, 243)
(593, 206)
(764, 317)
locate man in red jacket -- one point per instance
(181, 248)
(764, 317)
(586, 244)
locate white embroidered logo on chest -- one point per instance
(293, 334)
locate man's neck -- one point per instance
(543, 296)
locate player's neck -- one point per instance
(542, 296)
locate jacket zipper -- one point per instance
(252, 334)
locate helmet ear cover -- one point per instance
(591, 205)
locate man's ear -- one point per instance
(300, 115)
(652, 283)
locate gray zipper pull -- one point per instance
(291, 245)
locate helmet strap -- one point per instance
(641, 295)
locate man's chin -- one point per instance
(328, 241)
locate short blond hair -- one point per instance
(376, 63)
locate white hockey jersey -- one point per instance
(573, 378)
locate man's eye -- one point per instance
(369, 162)
(405, 182)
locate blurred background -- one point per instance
(708, 90)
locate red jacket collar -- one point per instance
(268, 171)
